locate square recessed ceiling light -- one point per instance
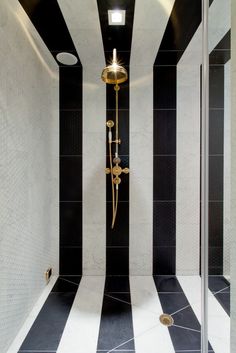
(116, 17)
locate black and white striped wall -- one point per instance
(158, 225)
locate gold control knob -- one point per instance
(125, 170)
(107, 170)
(117, 170)
(117, 180)
(116, 160)
(110, 123)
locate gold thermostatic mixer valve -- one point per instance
(117, 170)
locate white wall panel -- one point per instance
(29, 170)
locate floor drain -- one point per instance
(166, 320)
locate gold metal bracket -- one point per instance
(117, 141)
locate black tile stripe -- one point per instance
(49, 22)
(217, 58)
(116, 326)
(46, 331)
(173, 299)
(179, 32)
(119, 37)
(164, 170)
(220, 288)
(70, 170)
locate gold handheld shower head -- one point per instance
(114, 73)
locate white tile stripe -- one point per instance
(147, 36)
(219, 321)
(82, 328)
(16, 344)
(146, 309)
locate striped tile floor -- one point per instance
(121, 314)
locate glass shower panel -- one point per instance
(220, 176)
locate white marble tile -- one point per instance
(188, 169)
(141, 125)
(83, 23)
(146, 309)
(82, 328)
(94, 249)
(149, 32)
(140, 250)
(187, 244)
(219, 321)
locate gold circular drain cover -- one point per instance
(166, 320)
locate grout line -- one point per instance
(178, 311)
(221, 290)
(186, 328)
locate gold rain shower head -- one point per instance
(114, 74)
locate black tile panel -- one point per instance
(164, 260)
(219, 57)
(216, 86)
(183, 22)
(118, 37)
(167, 284)
(71, 88)
(164, 87)
(118, 236)
(70, 260)
(216, 131)
(116, 284)
(225, 43)
(220, 287)
(71, 178)
(186, 332)
(164, 178)
(67, 284)
(215, 260)
(218, 283)
(168, 57)
(123, 95)
(116, 327)
(216, 224)
(164, 223)
(70, 132)
(224, 300)
(49, 323)
(164, 132)
(71, 223)
(117, 261)
(56, 37)
(216, 178)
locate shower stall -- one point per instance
(118, 198)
